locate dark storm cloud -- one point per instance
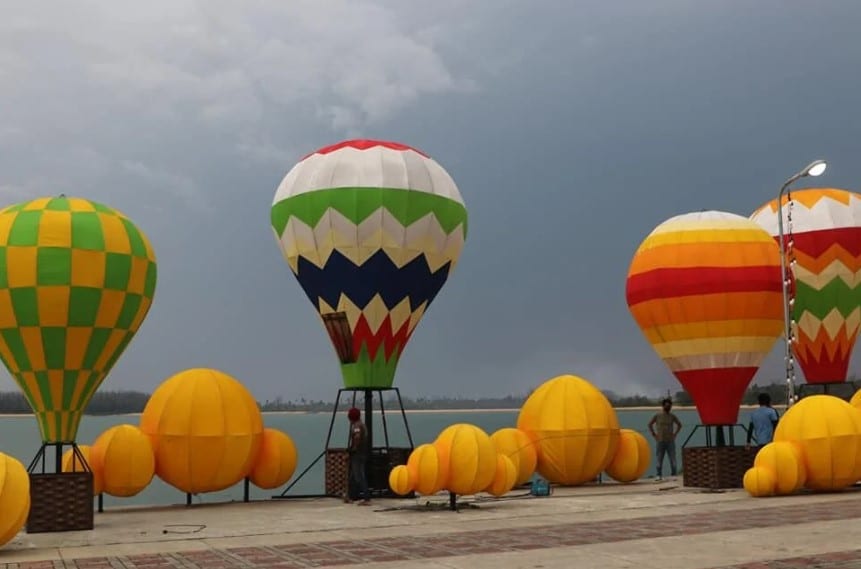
(571, 128)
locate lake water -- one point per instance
(19, 437)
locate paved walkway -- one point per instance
(711, 531)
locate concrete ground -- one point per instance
(643, 525)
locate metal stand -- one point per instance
(381, 459)
(719, 439)
(831, 388)
(77, 457)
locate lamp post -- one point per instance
(815, 168)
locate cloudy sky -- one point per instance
(572, 128)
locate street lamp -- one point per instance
(815, 168)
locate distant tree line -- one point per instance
(102, 403)
(121, 402)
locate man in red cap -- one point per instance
(358, 450)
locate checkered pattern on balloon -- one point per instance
(77, 279)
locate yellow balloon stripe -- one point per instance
(714, 345)
(736, 235)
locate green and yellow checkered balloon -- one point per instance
(77, 278)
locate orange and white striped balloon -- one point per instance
(705, 289)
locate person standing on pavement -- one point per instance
(763, 422)
(665, 426)
(358, 450)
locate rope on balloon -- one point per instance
(788, 279)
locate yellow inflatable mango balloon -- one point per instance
(276, 462)
(75, 465)
(400, 480)
(632, 457)
(759, 482)
(424, 468)
(827, 430)
(467, 458)
(784, 459)
(575, 426)
(519, 447)
(206, 430)
(505, 478)
(123, 454)
(14, 498)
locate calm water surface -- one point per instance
(19, 437)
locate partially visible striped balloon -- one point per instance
(826, 235)
(705, 290)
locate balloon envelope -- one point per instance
(575, 428)
(206, 430)
(372, 229)
(705, 289)
(77, 278)
(826, 240)
(123, 456)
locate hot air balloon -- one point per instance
(371, 229)
(825, 236)
(76, 280)
(705, 289)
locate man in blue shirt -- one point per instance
(763, 421)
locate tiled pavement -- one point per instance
(402, 548)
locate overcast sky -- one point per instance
(571, 128)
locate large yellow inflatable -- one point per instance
(827, 430)
(462, 460)
(467, 457)
(206, 430)
(632, 458)
(575, 428)
(276, 461)
(519, 447)
(124, 459)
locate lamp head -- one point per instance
(815, 168)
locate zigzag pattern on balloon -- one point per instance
(812, 206)
(380, 230)
(828, 266)
(383, 302)
(827, 344)
(378, 275)
(826, 245)
(817, 277)
(375, 325)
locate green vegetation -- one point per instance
(121, 402)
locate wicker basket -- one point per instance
(337, 466)
(60, 502)
(716, 467)
(380, 464)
